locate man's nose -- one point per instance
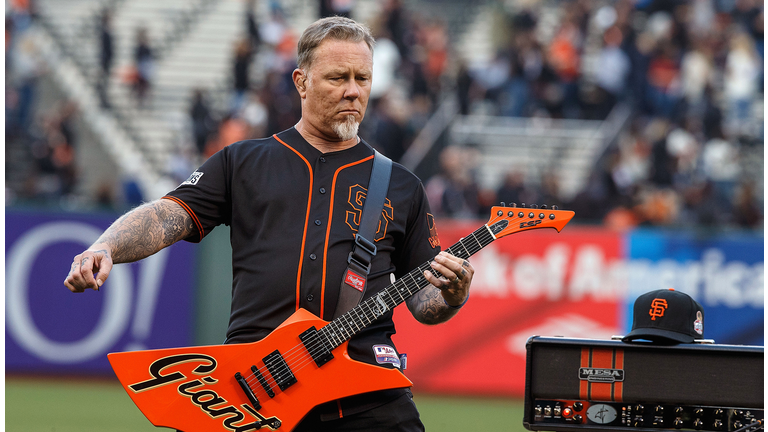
(352, 90)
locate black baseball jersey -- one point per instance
(293, 213)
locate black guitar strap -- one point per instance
(355, 278)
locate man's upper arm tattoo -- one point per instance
(146, 230)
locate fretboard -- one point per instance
(359, 317)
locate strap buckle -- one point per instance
(362, 254)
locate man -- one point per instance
(293, 204)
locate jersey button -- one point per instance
(317, 222)
(312, 257)
(322, 190)
(322, 159)
(310, 297)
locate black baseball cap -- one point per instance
(666, 317)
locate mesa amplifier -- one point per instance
(584, 384)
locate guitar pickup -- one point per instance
(279, 370)
(263, 381)
(317, 349)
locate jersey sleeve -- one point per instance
(421, 242)
(206, 194)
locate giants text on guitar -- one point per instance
(276, 381)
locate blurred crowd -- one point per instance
(410, 61)
(44, 136)
(691, 72)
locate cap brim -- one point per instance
(658, 336)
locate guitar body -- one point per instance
(194, 389)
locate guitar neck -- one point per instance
(359, 317)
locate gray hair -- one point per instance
(337, 28)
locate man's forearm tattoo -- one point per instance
(146, 230)
(428, 306)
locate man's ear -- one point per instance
(300, 81)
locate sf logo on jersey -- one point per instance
(357, 196)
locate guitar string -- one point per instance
(300, 361)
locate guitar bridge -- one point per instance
(248, 391)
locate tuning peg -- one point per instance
(502, 204)
(522, 205)
(514, 205)
(554, 207)
(544, 206)
(534, 206)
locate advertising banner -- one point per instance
(532, 283)
(143, 305)
(725, 274)
(581, 282)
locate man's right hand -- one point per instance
(89, 269)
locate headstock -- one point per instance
(509, 220)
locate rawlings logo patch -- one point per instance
(354, 280)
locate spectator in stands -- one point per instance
(330, 8)
(27, 68)
(514, 189)
(54, 154)
(386, 127)
(453, 192)
(664, 80)
(386, 61)
(255, 115)
(231, 130)
(613, 71)
(106, 56)
(241, 73)
(203, 123)
(742, 68)
(252, 25)
(144, 63)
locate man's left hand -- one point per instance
(455, 280)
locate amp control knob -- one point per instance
(698, 424)
(578, 418)
(678, 423)
(578, 406)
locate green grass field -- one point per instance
(63, 405)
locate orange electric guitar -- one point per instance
(276, 381)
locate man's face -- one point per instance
(336, 87)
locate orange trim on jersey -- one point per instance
(191, 213)
(602, 359)
(328, 229)
(584, 384)
(306, 221)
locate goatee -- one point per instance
(347, 129)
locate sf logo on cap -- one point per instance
(658, 306)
